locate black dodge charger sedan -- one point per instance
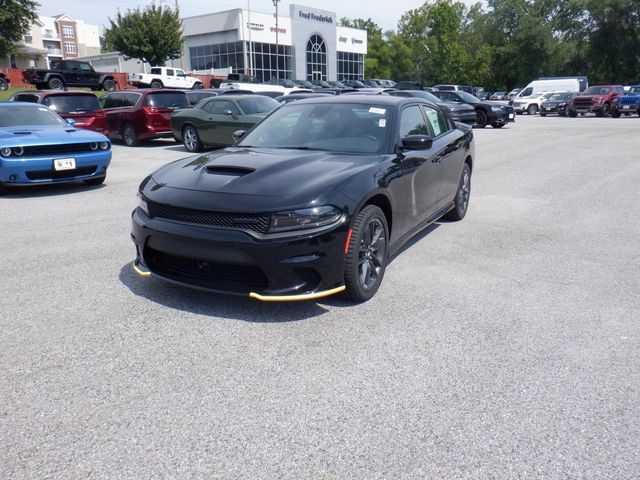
(487, 113)
(459, 112)
(312, 201)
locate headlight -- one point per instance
(562, 104)
(5, 151)
(104, 145)
(497, 109)
(142, 203)
(306, 218)
(18, 151)
(93, 146)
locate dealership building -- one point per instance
(306, 45)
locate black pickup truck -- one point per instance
(4, 82)
(70, 73)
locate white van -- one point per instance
(554, 84)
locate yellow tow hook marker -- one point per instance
(296, 298)
(142, 273)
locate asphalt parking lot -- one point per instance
(505, 346)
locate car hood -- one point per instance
(46, 135)
(291, 175)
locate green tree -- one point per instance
(151, 35)
(16, 17)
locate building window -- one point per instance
(350, 66)
(67, 31)
(69, 47)
(28, 38)
(240, 56)
(316, 58)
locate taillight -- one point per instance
(150, 109)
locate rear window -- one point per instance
(72, 103)
(167, 100)
(258, 104)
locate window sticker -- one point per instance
(382, 123)
(379, 111)
(435, 123)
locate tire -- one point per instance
(367, 254)
(543, 114)
(55, 84)
(191, 139)
(498, 125)
(615, 113)
(3, 190)
(96, 181)
(461, 200)
(197, 86)
(604, 111)
(4, 85)
(156, 84)
(109, 85)
(532, 109)
(573, 113)
(129, 136)
(481, 118)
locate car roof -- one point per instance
(147, 90)
(48, 93)
(22, 104)
(366, 100)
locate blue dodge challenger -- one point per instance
(37, 146)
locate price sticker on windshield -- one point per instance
(378, 111)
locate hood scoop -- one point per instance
(229, 170)
(22, 132)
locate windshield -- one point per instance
(467, 97)
(72, 103)
(17, 116)
(342, 127)
(167, 100)
(634, 90)
(258, 104)
(596, 91)
(561, 96)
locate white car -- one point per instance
(531, 104)
(164, 77)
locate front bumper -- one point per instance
(40, 170)
(233, 262)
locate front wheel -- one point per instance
(109, 85)
(604, 111)
(156, 84)
(481, 118)
(191, 139)
(197, 86)
(573, 113)
(532, 109)
(461, 200)
(129, 136)
(543, 114)
(366, 259)
(4, 85)
(615, 113)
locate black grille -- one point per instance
(256, 222)
(69, 148)
(509, 109)
(57, 175)
(207, 273)
(309, 276)
(582, 102)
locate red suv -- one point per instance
(595, 99)
(82, 107)
(142, 114)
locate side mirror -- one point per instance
(70, 121)
(238, 134)
(416, 142)
(228, 112)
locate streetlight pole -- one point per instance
(275, 4)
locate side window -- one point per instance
(209, 106)
(526, 92)
(156, 71)
(25, 97)
(170, 72)
(437, 121)
(180, 73)
(222, 105)
(113, 101)
(130, 99)
(73, 66)
(85, 67)
(412, 122)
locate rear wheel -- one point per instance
(615, 113)
(96, 181)
(481, 118)
(55, 84)
(532, 109)
(543, 114)
(573, 113)
(197, 86)
(156, 84)
(129, 136)
(191, 139)
(4, 85)
(366, 259)
(463, 194)
(109, 85)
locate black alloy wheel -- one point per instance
(366, 259)
(197, 86)
(191, 139)
(481, 118)
(462, 197)
(615, 113)
(129, 135)
(156, 84)
(604, 111)
(109, 85)
(532, 109)
(56, 84)
(573, 113)
(4, 85)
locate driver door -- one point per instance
(223, 118)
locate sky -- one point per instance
(96, 12)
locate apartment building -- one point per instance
(54, 38)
